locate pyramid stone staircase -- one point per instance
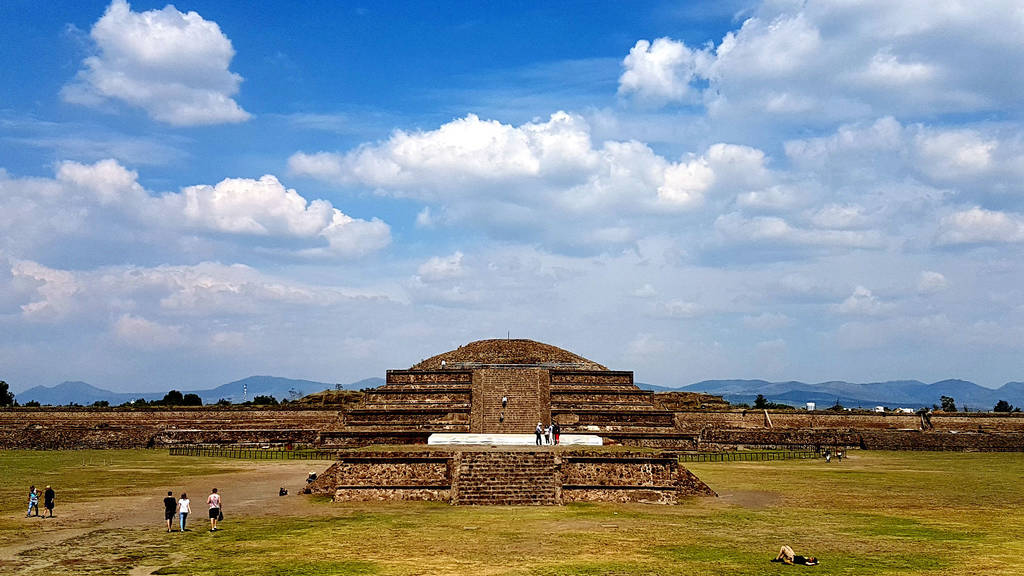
(527, 478)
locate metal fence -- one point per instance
(744, 456)
(254, 453)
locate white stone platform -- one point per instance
(463, 439)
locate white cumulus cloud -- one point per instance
(862, 303)
(657, 72)
(929, 282)
(841, 60)
(173, 65)
(441, 268)
(497, 176)
(88, 199)
(980, 226)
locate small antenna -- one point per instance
(508, 335)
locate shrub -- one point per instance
(264, 401)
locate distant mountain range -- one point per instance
(894, 394)
(280, 388)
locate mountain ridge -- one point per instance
(892, 393)
(281, 388)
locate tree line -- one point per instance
(172, 398)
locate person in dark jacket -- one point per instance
(48, 497)
(170, 504)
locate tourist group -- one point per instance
(183, 507)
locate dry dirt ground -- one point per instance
(251, 492)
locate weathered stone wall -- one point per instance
(64, 428)
(619, 470)
(384, 397)
(429, 376)
(418, 417)
(273, 436)
(591, 378)
(578, 420)
(356, 438)
(652, 439)
(527, 390)
(367, 476)
(736, 419)
(867, 439)
(733, 419)
(508, 477)
(587, 397)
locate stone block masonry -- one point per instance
(509, 477)
(528, 393)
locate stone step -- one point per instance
(506, 478)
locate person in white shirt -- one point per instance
(184, 507)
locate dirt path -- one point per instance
(246, 493)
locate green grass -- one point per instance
(877, 513)
(84, 475)
(91, 474)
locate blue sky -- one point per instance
(784, 190)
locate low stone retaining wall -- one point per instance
(362, 476)
(577, 476)
(81, 428)
(712, 439)
(89, 428)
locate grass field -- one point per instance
(873, 513)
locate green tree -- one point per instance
(101, 404)
(760, 401)
(6, 398)
(172, 398)
(948, 404)
(1003, 406)
(264, 401)
(191, 399)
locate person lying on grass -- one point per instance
(787, 556)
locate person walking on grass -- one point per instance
(214, 502)
(48, 498)
(33, 501)
(184, 507)
(169, 505)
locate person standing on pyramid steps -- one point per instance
(539, 432)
